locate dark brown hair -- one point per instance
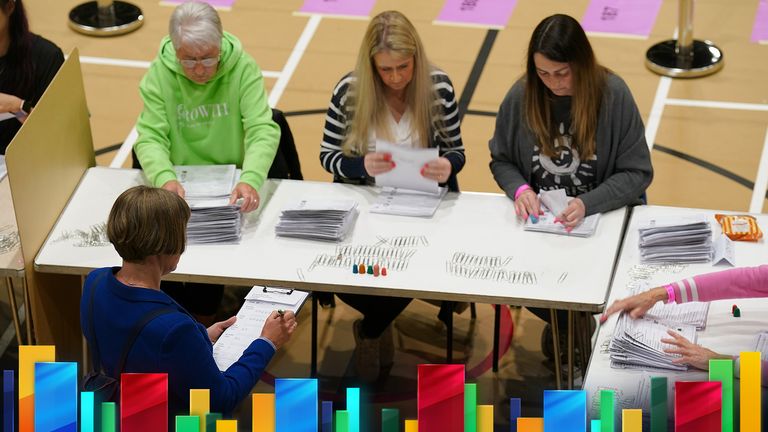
(18, 61)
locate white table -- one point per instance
(724, 333)
(572, 273)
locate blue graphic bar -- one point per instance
(9, 396)
(87, 411)
(514, 413)
(56, 397)
(565, 411)
(353, 408)
(296, 405)
(326, 424)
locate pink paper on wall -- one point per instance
(484, 13)
(222, 4)
(355, 8)
(760, 29)
(623, 17)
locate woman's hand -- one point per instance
(175, 187)
(527, 203)
(249, 195)
(215, 331)
(438, 170)
(573, 214)
(279, 328)
(10, 103)
(378, 163)
(692, 354)
(637, 305)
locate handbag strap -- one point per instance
(95, 354)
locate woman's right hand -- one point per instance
(637, 305)
(279, 328)
(527, 203)
(378, 163)
(175, 187)
(9, 103)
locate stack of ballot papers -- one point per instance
(207, 189)
(692, 313)
(678, 240)
(328, 220)
(259, 304)
(405, 202)
(636, 343)
(554, 202)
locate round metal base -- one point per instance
(85, 19)
(663, 59)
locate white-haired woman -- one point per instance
(204, 104)
(393, 94)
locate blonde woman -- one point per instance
(394, 94)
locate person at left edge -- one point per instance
(28, 63)
(205, 104)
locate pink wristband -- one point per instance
(521, 189)
(670, 293)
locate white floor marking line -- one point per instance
(125, 149)
(717, 104)
(293, 59)
(654, 119)
(761, 181)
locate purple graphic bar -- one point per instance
(760, 29)
(355, 8)
(483, 13)
(623, 17)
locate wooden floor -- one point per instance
(706, 155)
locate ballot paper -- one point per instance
(317, 219)
(637, 344)
(676, 240)
(408, 164)
(250, 321)
(761, 345)
(405, 202)
(554, 203)
(206, 181)
(692, 313)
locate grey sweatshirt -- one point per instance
(624, 168)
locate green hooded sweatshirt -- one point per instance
(224, 121)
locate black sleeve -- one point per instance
(47, 58)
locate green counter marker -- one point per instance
(607, 411)
(108, 416)
(470, 407)
(722, 370)
(659, 409)
(210, 421)
(390, 420)
(187, 423)
(342, 421)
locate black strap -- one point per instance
(135, 331)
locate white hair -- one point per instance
(195, 24)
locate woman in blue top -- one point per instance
(148, 229)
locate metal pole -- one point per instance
(106, 13)
(684, 45)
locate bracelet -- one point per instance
(521, 189)
(670, 293)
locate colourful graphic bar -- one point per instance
(698, 406)
(470, 407)
(342, 421)
(199, 406)
(485, 418)
(749, 408)
(210, 421)
(514, 413)
(659, 408)
(144, 402)
(294, 396)
(530, 424)
(565, 411)
(28, 356)
(190, 423)
(486, 13)
(56, 397)
(631, 420)
(721, 370)
(390, 420)
(226, 425)
(87, 412)
(353, 408)
(440, 398)
(326, 416)
(108, 417)
(411, 426)
(607, 411)
(9, 410)
(595, 426)
(263, 414)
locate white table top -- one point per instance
(475, 223)
(11, 260)
(723, 334)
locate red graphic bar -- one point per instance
(441, 398)
(698, 406)
(144, 402)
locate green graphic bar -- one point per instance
(108, 416)
(607, 411)
(342, 421)
(390, 420)
(722, 370)
(187, 423)
(659, 409)
(210, 421)
(470, 407)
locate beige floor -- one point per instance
(728, 138)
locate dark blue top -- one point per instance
(173, 343)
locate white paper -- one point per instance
(637, 343)
(408, 164)
(6, 116)
(406, 202)
(555, 200)
(546, 224)
(250, 321)
(206, 181)
(761, 345)
(725, 251)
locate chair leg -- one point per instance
(496, 330)
(313, 349)
(449, 331)
(472, 311)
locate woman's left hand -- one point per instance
(692, 354)
(438, 170)
(249, 195)
(573, 214)
(215, 331)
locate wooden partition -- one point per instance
(45, 162)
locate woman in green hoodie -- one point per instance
(205, 104)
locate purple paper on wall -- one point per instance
(484, 13)
(760, 29)
(356, 8)
(623, 17)
(215, 3)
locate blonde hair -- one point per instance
(147, 221)
(389, 31)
